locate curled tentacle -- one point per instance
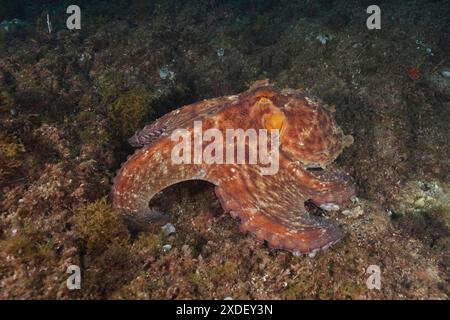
(148, 171)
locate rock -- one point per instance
(420, 203)
(220, 52)
(168, 229)
(445, 73)
(354, 212)
(440, 82)
(323, 39)
(8, 25)
(420, 196)
(165, 73)
(313, 253)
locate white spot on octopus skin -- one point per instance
(201, 174)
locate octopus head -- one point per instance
(308, 132)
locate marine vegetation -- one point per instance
(11, 156)
(100, 226)
(127, 113)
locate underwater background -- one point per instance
(70, 99)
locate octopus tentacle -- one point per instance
(330, 186)
(177, 119)
(148, 171)
(280, 218)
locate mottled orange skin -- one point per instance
(271, 207)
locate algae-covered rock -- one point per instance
(127, 113)
(11, 156)
(440, 82)
(100, 226)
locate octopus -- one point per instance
(272, 207)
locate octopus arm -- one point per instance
(272, 208)
(147, 172)
(328, 187)
(177, 119)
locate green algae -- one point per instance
(127, 113)
(29, 245)
(11, 156)
(100, 226)
(148, 241)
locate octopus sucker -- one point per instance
(270, 206)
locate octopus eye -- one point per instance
(274, 121)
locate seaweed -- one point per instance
(11, 156)
(100, 226)
(29, 244)
(128, 112)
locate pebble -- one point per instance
(165, 73)
(220, 52)
(313, 253)
(168, 229)
(354, 212)
(445, 73)
(420, 203)
(324, 39)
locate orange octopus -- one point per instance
(271, 207)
